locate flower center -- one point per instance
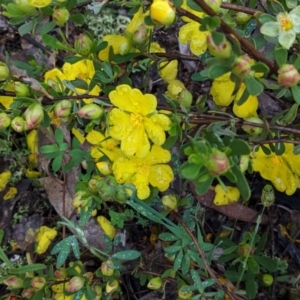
(276, 160)
(136, 120)
(285, 23)
(143, 168)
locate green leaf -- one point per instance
(45, 28)
(73, 59)
(238, 147)
(57, 162)
(232, 275)
(290, 116)
(251, 286)
(168, 237)
(193, 5)
(28, 268)
(59, 136)
(241, 183)
(178, 261)
(264, 18)
(280, 55)
(185, 266)
(48, 149)
(253, 266)
(230, 250)
(260, 67)
(25, 28)
(277, 7)
(296, 150)
(189, 170)
(296, 93)
(78, 19)
(177, 3)
(218, 70)
(172, 249)
(127, 255)
(202, 187)
(266, 262)
(253, 86)
(291, 3)
(217, 37)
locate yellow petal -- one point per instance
(161, 176)
(168, 70)
(44, 237)
(106, 226)
(155, 132)
(12, 192)
(4, 178)
(119, 122)
(222, 90)
(225, 197)
(94, 137)
(123, 169)
(78, 135)
(158, 155)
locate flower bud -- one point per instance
(218, 163)
(80, 199)
(90, 111)
(21, 89)
(62, 108)
(185, 98)
(61, 273)
(169, 202)
(4, 120)
(75, 284)
(162, 12)
(83, 44)
(4, 71)
(222, 50)
(13, 282)
(60, 15)
(111, 286)
(214, 4)
(140, 36)
(104, 167)
(106, 226)
(38, 282)
(242, 18)
(108, 192)
(25, 6)
(121, 195)
(244, 249)
(288, 75)
(267, 280)
(107, 268)
(155, 283)
(97, 289)
(267, 195)
(18, 124)
(244, 163)
(93, 183)
(242, 66)
(184, 295)
(29, 292)
(33, 115)
(253, 130)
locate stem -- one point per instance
(239, 8)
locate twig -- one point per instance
(239, 8)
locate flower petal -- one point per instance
(286, 39)
(158, 155)
(270, 29)
(154, 132)
(120, 124)
(123, 169)
(94, 137)
(161, 176)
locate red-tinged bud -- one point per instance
(25, 6)
(288, 76)
(218, 163)
(33, 115)
(215, 5)
(107, 268)
(80, 199)
(13, 282)
(90, 111)
(4, 71)
(140, 36)
(162, 12)
(75, 284)
(111, 286)
(93, 183)
(38, 282)
(267, 280)
(244, 249)
(223, 50)
(242, 66)
(62, 108)
(169, 202)
(21, 89)
(104, 167)
(4, 120)
(155, 283)
(29, 292)
(253, 130)
(97, 289)
(242, 18)
(60, 15)
(244, 163)
(184, 295)
(18, 124)
(83, 44)
(185, 98)
(61, 273)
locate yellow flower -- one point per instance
(174, 88)
(191, 34)
(44, 237)
(119, 43)
(39, 3)
(141, 172)
(103, 145)
(108, 229)
(136, 120)
(222, 90)
(199, 14)
(282, 170)
(167, 70)
(225, 197)
(4, 178)
(11, 193)
(32, 174)
(51, 78)
(80, 137)
(6, 101)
